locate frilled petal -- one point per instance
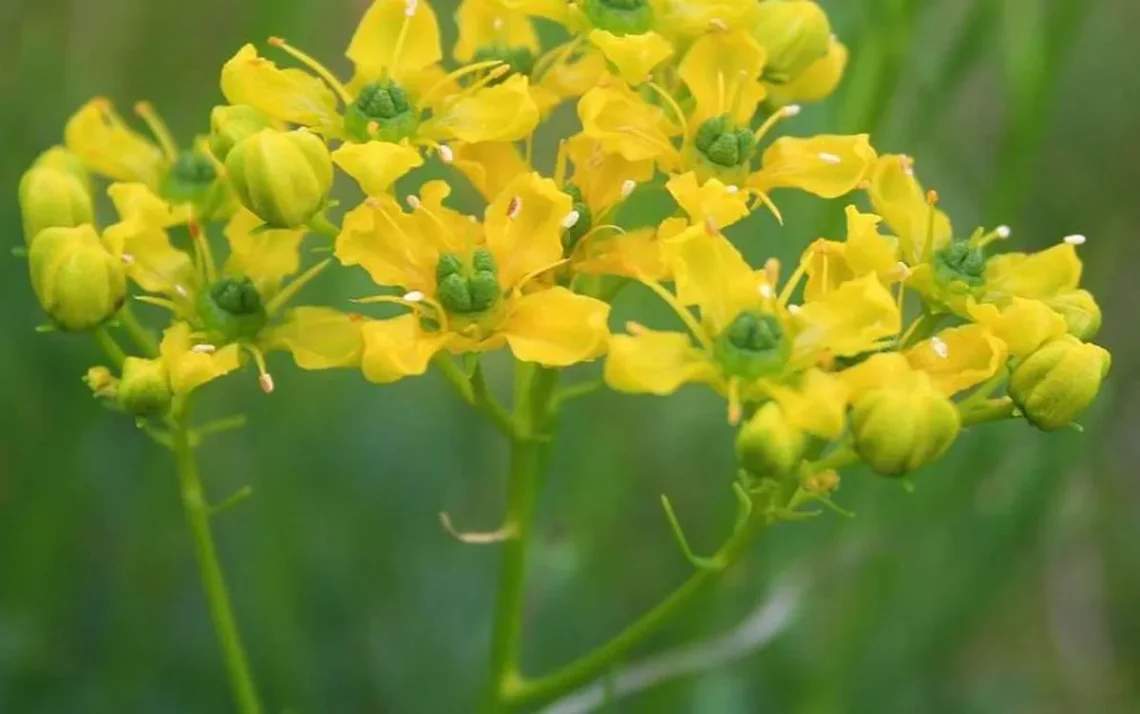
(622, 123)
(524, 227)
(831, 263)
(150, 258)
(710, 272)
(879, 370)
(897, 196)
(374, 45)
(817, 82)
(721, 71)
(710, 201)
(636, 254)
(852, 319)
(601, 176)
(188, 369)
(828, 166)
(488, 23)
(290, 95)
(378, 236)
(1023, 325)
(376, 165)
(1039, 276)
(265, 256)
(137, 200)
(398, 347)
(106, 145)
(490, 166)
(959, 358)
(817, 405)
(320, 338)
(574, 76)
(652, 362)
(634, 56)
(444, 228)
(504, 112)
(556, 327)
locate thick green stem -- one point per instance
(110, 347)
(198, 518)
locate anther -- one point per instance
(372, 127)
(446, 155)
(791, 110)
(181, 291)
(794, 309)
(497, 23)
(514, 206)
(902, 270)
(718, 24)
(1075, 239)
(127, 259)
(410, 7)
(413, 202)
(766, 291)
(571, 219)
(931, 197)
(731, 189)
(710, 226)
(414, 296)
(830, 158)
(204, 349)
(627, 188)
(940, 347)
(1002, 232)
(373, 202)
(266, 381)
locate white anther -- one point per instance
(1003, 232)
(413, 202)
(791, 110)
(731, 189)
(940, 347)
(1075, 239)
(718, 24)
(410, 7)
(181, 291)
(794, 309)
(766, 291)
(711, 226)
(127, 259)
(830, 158)
(414, 296)
(204, 349)
(514, 206)
(571, 219)
(446, 155)
(497, 23)
(627, 188)
(903, 270)
(266, 381)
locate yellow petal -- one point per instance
(867, 250)
(721, 71)
(817, 82)
(827, 268)
(879, 370)
(574, 76)
(1039, 276)
(373, 46)
(490, 166)
(137, 200)
(828, 166)
(636, 254)
(852, 319)
(320, 338)
(290, 95)
(710, 201)
(151, 260)
(601, 176)
(378, 236)
(397, 348)
(189, 370)
(897, 196)
(634, 56)
(817, 405)
(655, 363)
(265, 256)
(710, 272)
(959, 358)
(1023, 325)
(106, 145)
(622, 123)
(376, 165)
(556, 327)
(448, 230)
(504, 112)
(689, 18)
(487, 23)
(556, 10)
(524, 227)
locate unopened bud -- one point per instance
(53, 193)
(1058, 381)
(144, 389)
(231, 124)
(1081, 313)
(79, 283)
(101, 382)
(903, 426)
(767, 445)
(283, 177)
(795, 34)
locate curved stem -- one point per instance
(110, 347)
(217, 595)
(140, 335)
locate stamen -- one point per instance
(718, 25)
(571, 219)
(1075, 239)
(560, 163)
(830, 158)
(446, 155)
(635, 328)
(794, 280)
(710, 226)
(735, 408)
(681, 311)
(427, 98)
(794, 309)
(772, 271)
(514, 207)
(731, 189)
(265, 379)
(411, 5)
(766, 291)
(401, 38)
(932, 202)
(940, 347)
(497, 24)
(181, 291)
(627, 188)
(295, 286)
(319, 69)
(414, 296)
(158, 127)
(673, 106)
(1003, 232)
(413, 202)
(785, 113)
(507, 532)
(902, 270)
(127, 259)
(204, 349)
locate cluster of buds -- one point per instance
(882, 344)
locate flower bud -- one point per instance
(1081, 313)
(101, 382)
(1058, 381)
(283, 177)
(77, 281)
(144, 389)
(767, 445)
(903, 426)
(795, 33)
(230, 124)
(621, 17)
(54, 192)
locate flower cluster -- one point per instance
(881, 343)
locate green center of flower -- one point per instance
(231, 309)
(752, 345)
(468, 288)
(621, 17)
(581, 225)
(960, 262)
(519, 59)
(190, 177)
(383, 111)
(724, 145)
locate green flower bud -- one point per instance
(583, 223)
(76, 280)
(767, 445)
(283, 177)
(1081, 313)
(795, 33)
(230, 124)
(722, 144)
(101, 382)
(621, 17)
(468, 290)
(384, 111)
(519, 59)
(752, 346)
(1057, 382)
(144, 389)
(55, 192)
(190, 178)
(231, 309)
(901, 427)
(960, 262)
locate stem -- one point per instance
(135, 330)
(107, 343)
(198, 518)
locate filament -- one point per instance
(321, 71)
(158, 127)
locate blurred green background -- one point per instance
(1006, 581)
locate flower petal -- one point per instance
(817, 82)
(139, 200)
(602, 176)
(897, 196)
(709, 201)
(556, 327)
(188, 369)
(289, 95)
(636, 254)
(524, 227)
(622, 123)
(490, 166)
(1039, 276)
(265, 256)
(959, 358)
(487, 23)
(374, 44)
(397, 348)
(150, 258)
(710, 272)
(106, 145)
(378, 236)
(320, 338)
(634, 56)
(850, 320)
(575, 75)
(656, 363)
(1023, 325)
(817, 405)
(504, 112)
(828, 166)
(721, 71)
(376, 165)
(879, 370)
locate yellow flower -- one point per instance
(190, 367)
(1024, 325)
(376, 165)
(710, 201)
(489, 24)
(683, 19)
(490, 166)
(722, 71)
(633, 55)
(622, 123)
(471, 286)
(98, 135)
(395, 39)
(832, 263)
(288, 95)
(826, 165)
(816, 405)
(897, 196)
(959, 358)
